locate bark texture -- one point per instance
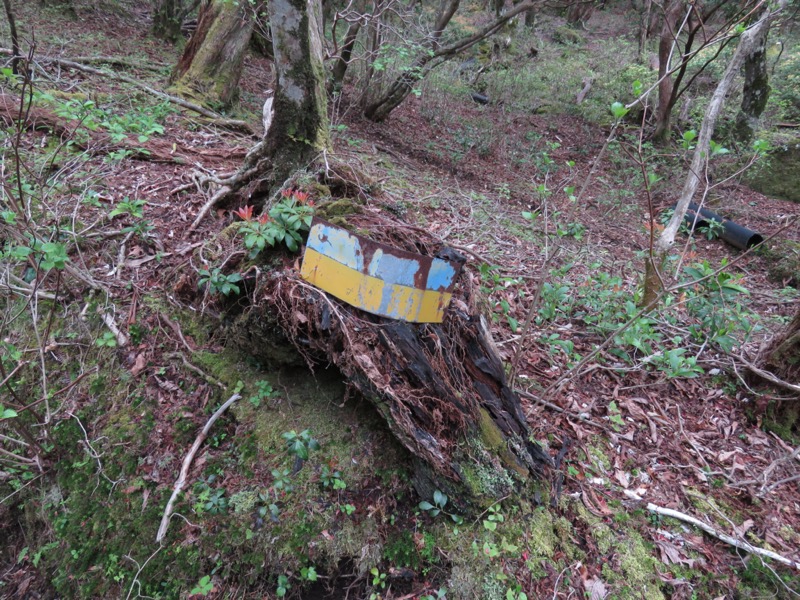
(299, 128)
(755, 93)
(673, 10)
(12, 26)
(166, 20)
(209, 70)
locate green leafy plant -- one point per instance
(378, 581)
(7, 413)
(281, 480)
(264, 391)
(283, 586)
(218, 282)
(134, 208)
(300, 444)
(203, 588)
(331, 478)
(440, 594)
(349, 509)
(284, 224)
(439, 502)
(309, 573)
(493, 518)
(106, 340)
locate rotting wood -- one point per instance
(441, 387)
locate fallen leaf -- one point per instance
(671, 554)
(595, 588)
(623, 478)
(139, 365)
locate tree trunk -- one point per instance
(441, 387)
(209, 70)
(749, 39)
(166, 20)
(12, 25)
(345, 53)
(672, 10)
(299, 128)
(756, 90)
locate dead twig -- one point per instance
(740, 544)
(187, 463)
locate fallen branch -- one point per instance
(122, 339)
(740, 544)
(187, 462)
(587, 85)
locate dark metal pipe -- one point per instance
(733, 233)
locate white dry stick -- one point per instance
(187, 462)
(122, 339)
(741, 544)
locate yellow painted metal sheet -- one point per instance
(377, 278)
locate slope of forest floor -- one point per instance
(639, 424)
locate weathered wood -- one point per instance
(441, 387)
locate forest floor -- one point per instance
(627, 434)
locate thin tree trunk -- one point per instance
(12, 26)
(209, 70)
(433, 55)
(299, 129)
(783, 356)
(672, 11)
(166, 21)
(345, 54)
(749, 39)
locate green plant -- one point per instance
(218, 282)
(264, 391)
(378, 581)
(516, 593)
(439, 502)
(441, 594)
(283, 586)
(494, 517)
(204, 587)
(331, 478)
(349, 509)
(308, 573)
(106, 340)
(210, 500)
(615, 416)
(281, 480)
(284, 224)
(134, 208)
(300, 444)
